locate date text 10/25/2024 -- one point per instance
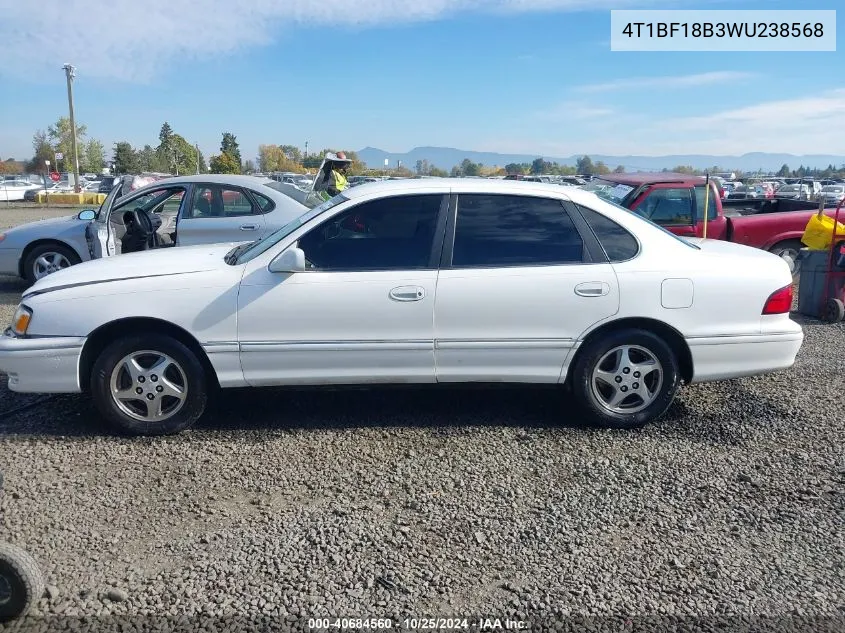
(421, 624)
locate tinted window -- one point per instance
(388, 234)
(264, 203)
(711, 209)
(667, 206)
(618, 244)
(493, 230)
(215, 201)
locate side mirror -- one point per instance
(87, 214)
(290, 261)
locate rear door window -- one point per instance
(508, 230)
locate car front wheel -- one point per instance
(149, 385)
(46, 259)
(625, 379)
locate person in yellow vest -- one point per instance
(337, 179)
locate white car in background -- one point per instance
(15, 190)
(428, 281)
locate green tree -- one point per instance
(125, 159)
(514, 168)
(164, 135)
(229, 146)
(469, 168)
(292, 153)
(540, 166)
(61, 139)
(600, 168)
(438, 173)
(620, 169)
(224, 164)
(249, 167)
(183, 156)
(95, 156)
(584, 165)
(43, 151)
(784, 171)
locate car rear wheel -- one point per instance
(149, 385)
(789, 250)
(46, 259)
(625, 379)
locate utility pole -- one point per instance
(197, 147)
(69, 74)
(306, 149)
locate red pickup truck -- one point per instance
(676, 202)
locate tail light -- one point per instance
(779, 302)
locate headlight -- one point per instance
(20, 322)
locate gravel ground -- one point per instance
(283, 505)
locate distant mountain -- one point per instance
(447, 157)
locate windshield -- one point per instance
(257, 248)
(833, 189)
(607, 190)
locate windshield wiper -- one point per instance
(232, 256)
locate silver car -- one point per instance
(833, 194)
(179, 211)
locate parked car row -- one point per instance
(408, 281)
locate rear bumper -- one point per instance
(41, 365)
(726, 357)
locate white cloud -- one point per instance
(806, 125)
(801, 126)
(677, 81)
(131, 40)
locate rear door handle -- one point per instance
(407, 293)
(248, 227)
(592, 289)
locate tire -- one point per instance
(791, 249)
(21, 582)
(57, 255)
(598, 375)
(834, 311)
(165, 369)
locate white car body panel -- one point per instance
(524, 320)
(315, 327)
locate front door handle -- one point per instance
(592, 289)
(407, 293)
(248, 227)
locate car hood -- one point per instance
(49, 222)
(167, 262)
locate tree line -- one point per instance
(174, 154)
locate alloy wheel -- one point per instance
(627, 379)
(149, 386)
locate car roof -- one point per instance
(230, 179)
(650, 178)
(470, 185)
(235, 180)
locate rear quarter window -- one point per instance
(618, 244)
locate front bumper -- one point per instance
(10, 261)
(41, 365)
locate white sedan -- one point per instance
(426, 281)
